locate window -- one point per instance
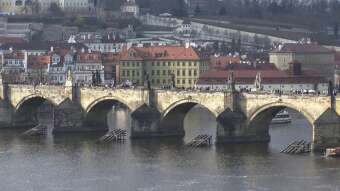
(178, 81)
(158, 72)
(183, 81)
(189, 72)
(178, 73)
(195, 72)
(183, 72)
(169, 72)
(157, 63)
(190, 82)
(163, 63)
(164, 72)
(164, 81)
(133, 73)
(128, 73)
(158, 81)
(137, 73)
(152, 72)
(190, 63)
(123, 73)
(183, 63)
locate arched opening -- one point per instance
(108, 114)
(283, 133)
(189, 119)
(33, 111)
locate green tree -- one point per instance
(79, 21)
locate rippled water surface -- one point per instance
(78, 162)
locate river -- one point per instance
(76, 162)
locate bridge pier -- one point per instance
(326, 131)
(232, 128)
(68, 117)
(146, 123)
(5, 114)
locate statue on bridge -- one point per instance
(258, 82)
(231, 81)
(69, 78)
(147, 83)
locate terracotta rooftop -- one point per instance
(301, 48)
(160, 53)
(4, 40)
(14, 55)
(89, 57)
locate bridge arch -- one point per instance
(108, 98)
(260, 120)
(26, 110)
(32, 97)
(173, 118)
(96, 113)
(186, 101)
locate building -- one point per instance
(111, 67)
(88, 63)
(312, 56)
(37, 68)
(103, 43)
(14, 65)
(42, 6)
(222, 62)
(19, 30)
(40, 48)
(5, 40)
(271, 79)
(129, 9)
(162, 66)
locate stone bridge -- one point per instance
(240, 117)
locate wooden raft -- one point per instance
(115, 135)
(201, 141)
(38, 130)
(297, 147)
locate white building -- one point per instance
(87, 64)
(130, 8)
(30, 6)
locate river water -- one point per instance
(75, 162)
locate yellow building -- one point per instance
(162, 65)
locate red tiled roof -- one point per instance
(38, 62)
(110, 57)
(160, 53)
(301, 48)
(89, 57)
(4, 40)
(268, 77)
(222, 60)
(14, 55)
